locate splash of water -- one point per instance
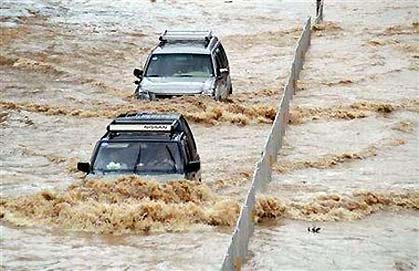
(356, 110)
(130, 204)
(196, 109)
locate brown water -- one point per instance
(354, 151)
(66, 70)
(378, 242)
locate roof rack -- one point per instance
(178, 36)
(146, 117)
(144, 122)
(141, 127)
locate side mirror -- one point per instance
(138, 73)
(193, 166)
(82, 166)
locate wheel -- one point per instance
(217, 95)
(142, 96)
(146, 96)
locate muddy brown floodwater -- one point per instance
(66, 70)
(349, 164)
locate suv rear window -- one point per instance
(179, 65)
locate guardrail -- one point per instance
(237, 251)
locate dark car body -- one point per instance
(185, 63)
(148, 144)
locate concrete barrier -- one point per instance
(237, 251)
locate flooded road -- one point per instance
(350, 162)
(339, 246)
(66, 71)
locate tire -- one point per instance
(146, 96)
(217, 96)
(141, 96)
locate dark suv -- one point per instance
(185, 63)
(161, 145)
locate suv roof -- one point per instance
(191, 42)
(146, 118)
(141, 125)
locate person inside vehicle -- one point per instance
(115, 156)
(157, 158)
(116, 160)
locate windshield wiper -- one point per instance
(153, 75)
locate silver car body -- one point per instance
(216, 85)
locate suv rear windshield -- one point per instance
(138, 157)
(179, 65)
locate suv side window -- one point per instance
(223, 56)
(186, 150)
(218, 61)
(189, 139)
